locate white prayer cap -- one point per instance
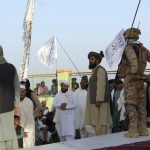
(22, 87)
(23, 80)
(64, 82)
(45, 112)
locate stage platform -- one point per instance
(100, 143)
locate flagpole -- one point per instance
(134, 19)
(139, 25)
(116, 78)
(27, 25)
(69, 57)
(56, 66)
(56, 63)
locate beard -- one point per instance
(84, 87)
(92, 66)
(64, 91)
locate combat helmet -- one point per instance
(135, 32)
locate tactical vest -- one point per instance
(93, 87)
(124, 66)
(7, 94)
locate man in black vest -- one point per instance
(98, 96)
(9, 99)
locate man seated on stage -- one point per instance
(43, 89)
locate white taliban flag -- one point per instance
(48, 53)
(27, 26)
(115, 50)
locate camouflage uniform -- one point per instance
(73, 83)
(134, 85)
(54, 87)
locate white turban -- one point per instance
(64, 82)
(22, 87)
(24, 80)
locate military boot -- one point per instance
(133, 119)
(142, 129)
(132, 133)
(142, 122)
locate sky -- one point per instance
(80, 26)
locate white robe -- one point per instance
(80, 97)
(27, 121)
(8, 137)
(65, 119)
(121, 105)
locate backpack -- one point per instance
(124, 63)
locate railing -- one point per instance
(37, 78)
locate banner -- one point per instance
(27, 26)
(115, 50)
(47, 54)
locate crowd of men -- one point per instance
(96, 106)
(42, 89)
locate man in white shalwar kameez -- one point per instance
(65, 105)
(27, 118)
(80, 97)
(9, 98)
